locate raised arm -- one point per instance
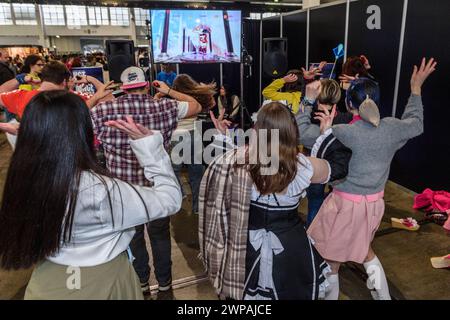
(308, 132)
(9, 85)
(272, 90)
(103, 90)
(411, 123)
(193, 108)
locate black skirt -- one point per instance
(298, 271)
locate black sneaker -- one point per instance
(145, 287)
(166, 287)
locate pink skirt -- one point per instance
(344, 229)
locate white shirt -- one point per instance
(96, 239)
(294, 192)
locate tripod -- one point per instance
(244, 110)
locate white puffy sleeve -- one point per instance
(303, 177)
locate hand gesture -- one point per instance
(313, 90)
(81, 80)
(11, 128)
(313, 72)
(347, 79)
(160, 86)
(421, 74)
(105, 90)
(134, 130)
(159, 95)
(366, 62)
(290, 78)
(220, 124)
(326, 119)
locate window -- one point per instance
(76, 15)
(5, 14)
(53, 15)
(140, 15)
(119, 16)
(255, 16)
(25, 14)
(98, 16)
(269, 14)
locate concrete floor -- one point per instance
(405, 255)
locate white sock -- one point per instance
(377, 279)
(332, 292)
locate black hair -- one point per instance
(359, 90)
(55, 145)
(31, 60)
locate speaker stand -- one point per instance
(244, 110)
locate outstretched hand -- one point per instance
(104, 90)
(11, 128)
(326, 119)
(219, 123)
(134, 130)
(313, 90)
(313, 72)
(421, 74)
(161, 86)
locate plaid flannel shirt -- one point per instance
(154, 114)
(224, 204)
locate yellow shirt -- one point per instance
(31, 86)
(272, 92)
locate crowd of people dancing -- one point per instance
(90, 173)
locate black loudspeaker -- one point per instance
(120, 54)
(275, 62)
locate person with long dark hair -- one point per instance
(188, 132)
(31, 70)
(71, 217)
(229, 102)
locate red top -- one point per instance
(16, 101)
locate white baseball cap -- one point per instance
(133, 77)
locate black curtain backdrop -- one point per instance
(424, 162)
(202, 72)
(294, 29)
(380, 46)
(327, 30)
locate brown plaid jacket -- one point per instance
(224, 203)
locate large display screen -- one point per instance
(196, 36)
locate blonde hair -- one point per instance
(330, 94)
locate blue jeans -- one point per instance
(159, 234)
(316, 195)
(195, 174)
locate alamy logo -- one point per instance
(73, 282)
(263, 148)
(374, 21)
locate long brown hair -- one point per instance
(354, 66)
(203, 93)
(277, 116)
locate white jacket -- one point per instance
(95, 238)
